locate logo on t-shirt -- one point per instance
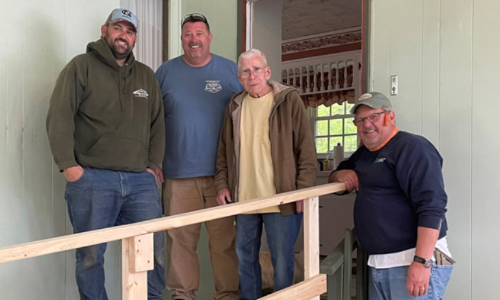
(213, 86)
(141, 93)
(379, 160)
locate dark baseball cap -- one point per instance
(373, 100)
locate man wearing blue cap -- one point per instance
(107, 134)
(400, 206)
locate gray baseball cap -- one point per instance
(373, 100)
(122, 14)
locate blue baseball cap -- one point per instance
(122, 14)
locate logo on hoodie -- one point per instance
(141, 93)
(213, 86)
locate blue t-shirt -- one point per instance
(195, 99)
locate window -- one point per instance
(321, 80)
(333, 125)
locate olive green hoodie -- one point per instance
(106, 116)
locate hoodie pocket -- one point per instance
(117, 153)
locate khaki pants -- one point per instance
(183, 270)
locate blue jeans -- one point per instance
(390, 284)
(282, 232)
(104, 198)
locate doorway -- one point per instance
(297, 29)
(318, 46)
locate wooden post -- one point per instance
(347, 264)
(137, 259)
(311, 238)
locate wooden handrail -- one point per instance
(128, 233)
(73, 241)
(334, 260)
(306, 289)
(338, 267)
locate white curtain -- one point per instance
(149, 44)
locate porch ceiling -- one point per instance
(308, 17)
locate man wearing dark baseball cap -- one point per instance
(373, 100)
(400, 205)
(107, 135)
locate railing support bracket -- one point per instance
(137, 260)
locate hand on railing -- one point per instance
(224, 197)
(348, 177)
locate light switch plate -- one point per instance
(394, 85)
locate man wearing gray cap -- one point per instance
(106, 132)
(400, 206)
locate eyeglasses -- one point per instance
(257, 71)
(195, 17)
(371, 118)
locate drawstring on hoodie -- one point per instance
(125, 87)
(122, 108)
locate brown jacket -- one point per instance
(292, 145)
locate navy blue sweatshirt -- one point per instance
(401, 188)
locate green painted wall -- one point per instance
(38, 39)
(445, 54)
(222, 16)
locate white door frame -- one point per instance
(174, 30)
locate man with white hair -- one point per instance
(266, 147)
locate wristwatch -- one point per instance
(427, 262)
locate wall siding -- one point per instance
(485, 162)
(448, 70)
(430, 70)
(455, 90)
(38, 39)
(59, 278)
(223, 19)
(267, 33)
(406, 51)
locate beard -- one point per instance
(119, 50)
